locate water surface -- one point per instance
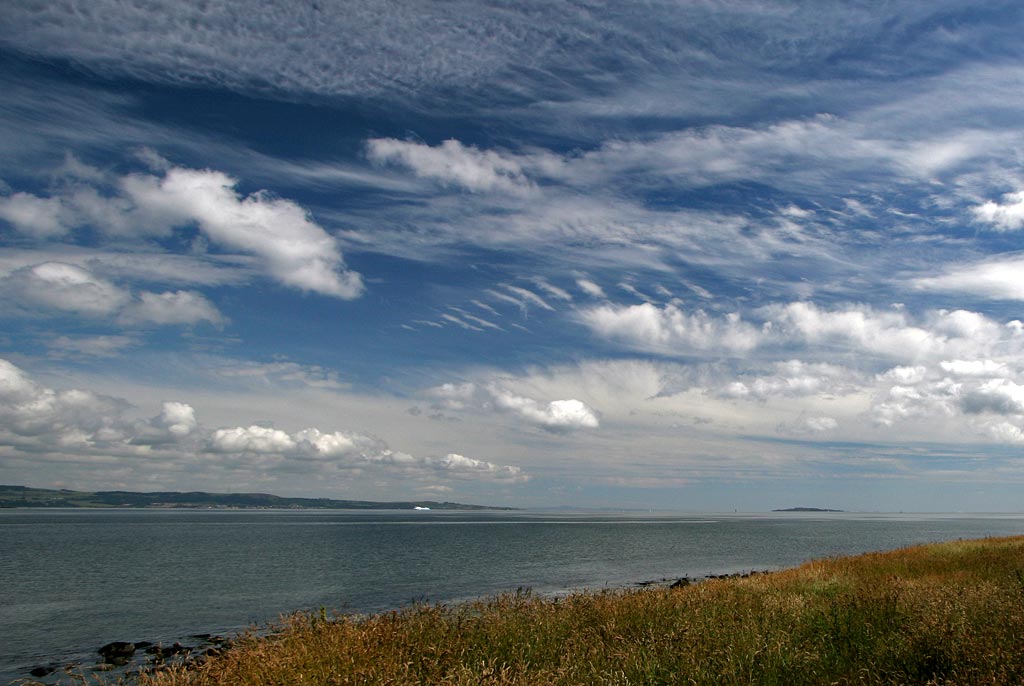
(73, 580)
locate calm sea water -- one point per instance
(73, 580)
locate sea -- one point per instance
(72, 580)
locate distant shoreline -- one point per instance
(27, 497)
(806, 509)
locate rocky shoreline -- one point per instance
(129, 659)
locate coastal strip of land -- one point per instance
(946, 613)
(24, 496)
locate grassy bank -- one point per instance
(951, 613)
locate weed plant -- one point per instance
(943, 614)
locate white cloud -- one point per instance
(904, 376)
(90, 346)
(252, 439)
(556, 415)
(60, 287)
(528, 296)
(34, 416)
(295, 250)
(930, 400)
(172, 428)
(458, 322)
(1005, 216)
(997, 279)
(793, 379)
(995, 396)
(551, 289)
(590, 288)
(178, 418)
(983, 368)
(136, 265)
(280, 234)
(353, 450)
(38, 217)
(456, 164)
(79, 425)
(453, 462)
(65, 287)
(172, 307)
(889, 333)
(809, 426)
(670, 330)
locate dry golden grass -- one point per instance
(950, 613)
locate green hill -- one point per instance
(23, 496)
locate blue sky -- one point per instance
(690, 255)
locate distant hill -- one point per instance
(23, 496)
(806, 509)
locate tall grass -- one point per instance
(950, 613)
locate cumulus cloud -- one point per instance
(1005, 216)
(888, 333)
(280, 234)
(172, 307)
(33, 416)
(80, 425)
(58, 287)
(904, 375)
(995, 396)
(932, 399)
(669, 329)
(353, 450)
(178, 418)
(65, 287)
(296, 251)
(253, 439)
(963, 388)
(974, 368)
(794, 378)
(456, 464)
(891, 333)
(38, 217)
(555, 415)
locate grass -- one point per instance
(950, 613)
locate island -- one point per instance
(806, 509)
(24, 496)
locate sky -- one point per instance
(689, 255)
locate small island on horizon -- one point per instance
(24, 496)
(806, 509)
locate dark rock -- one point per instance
(139, 645)
(680, 583)
(117, 650)
(42, 671)
(161, 653)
